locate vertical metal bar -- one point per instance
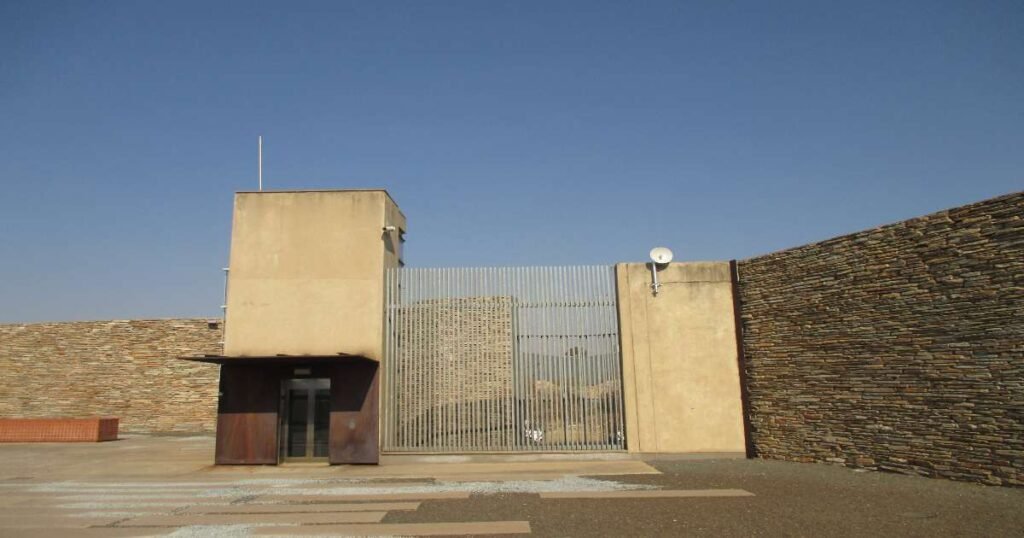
(606, 399)
(385, 377)
(494, 373)
(499, 373)
(470, 397)
(620, 414)
(413, 360)
(562, 284)
(397, 390)
(410, 360)
(583, 342)
(606, 378)
(457, 387)
(417, 361)
(514, 370)
(583, 381)
(442, 370)
(552, 417)
(400, 353)
(520, 372)
(425, 360)
(480, 434)
(516, 411)
(388, 359)
(384, 362)
(462, 334)
(426, 355)
(421, 360)
(584, 329)
(397, 366)
(396, 353)
(504, 411)
(596, 327)
(597, 415)
(531, 361)
(428, 358)
(441, 358)
(572, 424)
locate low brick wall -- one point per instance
(125, 369)
(57, 430)
(898, 348)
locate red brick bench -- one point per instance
(57, 430)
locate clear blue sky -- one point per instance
(510, 133)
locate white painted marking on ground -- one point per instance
(220, 531)
(219, 484)
(151, 496)
(100, 506)
(565, 483)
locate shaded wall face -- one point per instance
(680, 372)
(121, 368)
(307, 273)
(900, 348)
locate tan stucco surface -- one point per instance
(680, 370)
(307, 272)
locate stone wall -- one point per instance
(126, 369)
(455, 361)
(899, 348)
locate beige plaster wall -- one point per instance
(307, 272)
(680, 371)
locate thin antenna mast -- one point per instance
(261, 163)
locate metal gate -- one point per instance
(502, 359)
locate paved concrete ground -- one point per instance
(152, 486)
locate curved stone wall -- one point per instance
(899, 348)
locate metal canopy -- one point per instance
(277, 359)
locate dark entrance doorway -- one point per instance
(305, 419)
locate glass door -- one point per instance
(306, 417)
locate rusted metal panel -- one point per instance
(354, 413)
(247, 415)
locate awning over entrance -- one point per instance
(278, 359)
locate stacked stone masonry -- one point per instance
(456, 361)
(125, 369)
(899, 348)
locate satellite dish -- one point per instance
(661, 255)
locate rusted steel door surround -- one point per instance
(247, 415)
(355, 413)
(248, 427)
